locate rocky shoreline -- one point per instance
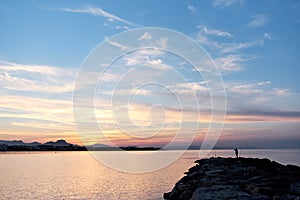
(238, 178)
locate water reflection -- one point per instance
(77, 175)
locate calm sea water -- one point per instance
(77, 175)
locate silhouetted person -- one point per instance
(236, 151)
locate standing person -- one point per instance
(236, 151)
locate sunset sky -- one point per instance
(254, 44)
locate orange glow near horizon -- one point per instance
(51, 120)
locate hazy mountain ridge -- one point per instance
(63, 145)
(19, 145)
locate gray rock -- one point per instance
(289, 197)
(259, 197)
(219, 192)
(187, 194)
(295, 188)
(241, 179)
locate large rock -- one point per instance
(238, 178)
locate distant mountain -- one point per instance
(34, 144)
(58, 143)
(103, 147)
(99, 146)
(13, 142)
(134, 148)
(62, 145)
(19, 145)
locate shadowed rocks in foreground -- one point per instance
(238, 178)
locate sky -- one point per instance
(255, 46)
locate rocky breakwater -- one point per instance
(238, 178)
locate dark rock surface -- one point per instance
(238, 178)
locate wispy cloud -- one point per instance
(145, 37)
(223, 3)
(24, 84)
(267, 36)
(247, 118)
(258, 20)
(149, 57)
(139, 59)
(227, 55)
(259, 115)
(281, 92)
(40, 69)
(189, 88)
(37, 118)
(116, 44)
(36, 108)
(36, 78)
(210, 31)
(191, 8)
(233, 47)
(122, 27)
(98, 12)
(250, 88)
(34, 101)
(258, 95)
(231, 62)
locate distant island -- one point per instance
(63, 145)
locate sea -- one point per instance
(78, 175)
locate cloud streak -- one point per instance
(36, 78)
(258, 20)
(40, 69)
(223, 3)
(233, 47)
(215, 32)
(231, 62)
(116, 44)
(98, 12)
(228, 55)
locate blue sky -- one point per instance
(255, 45)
